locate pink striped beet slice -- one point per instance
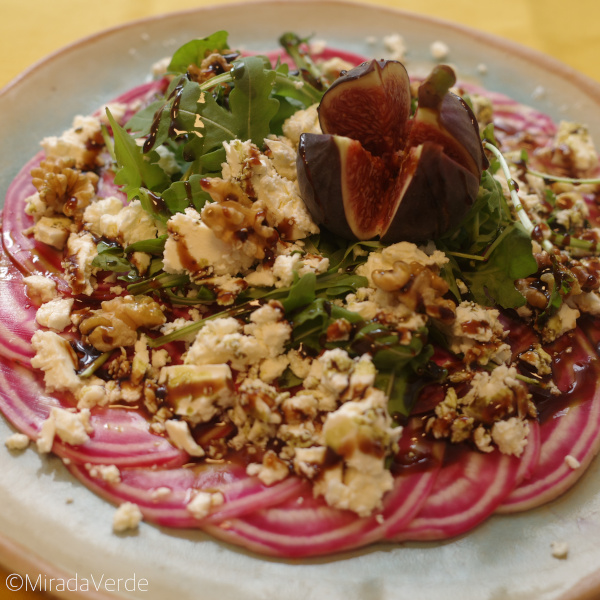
(468, 489)
(570, 434)
(163, 494)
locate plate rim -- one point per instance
(547, 62)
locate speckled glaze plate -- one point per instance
(50, 524)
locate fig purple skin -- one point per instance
(377, 172)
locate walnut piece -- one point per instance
(62, 187)
(244, 227)
(115, 324)
(213, 64)
(419, 288)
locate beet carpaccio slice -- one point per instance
(444, 494)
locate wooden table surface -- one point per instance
(569, 31)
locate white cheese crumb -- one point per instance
(560, 550)
(71, 427)
(17, 441)
(511, 435)
(193, 247)
(394, 44)
(73, 143)
(203, 502)
(439, 50)
(40, 289)
(55, 314)
(126, 517)
(161, 493)
(179, 433)
(572, 462)
(108, 473)
(57, 359)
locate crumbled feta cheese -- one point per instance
(79, 271)
(57, 359)
(17, 441)
(308, 461)
(299, 364)
(55, 314)
(160, 493)
(203, 502)
(277, 195)
(271, 470)
(302, 121)
(226, 340)
(574, 146)
(167, 161)
(179, 433)
(439, 50)
(198, 392)
(283, 156)
(572, 462)
(108, 473)
(71, 427)
(126, 517)
(126, 224)
(40, 289)
(333, 67)
(560, 550)
(53, 231)
(192, 247)
(73, 143)
(141, 360)
(361, 481)
(511, 435)
(565, 319)
(478, 334)
(586, 302)
(395, 46)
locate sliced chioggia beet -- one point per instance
(163, 495)
(17, 315)
(570, 437)
(468, 489)
(119, 437)
(377, 172)
(306, 526)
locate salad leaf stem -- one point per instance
(95, 365)
(549, 177)
(519, 209)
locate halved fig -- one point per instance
(375, 171)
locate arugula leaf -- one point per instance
(489, 250)
(301, 293)
(110, 258)
(183, 194)
(251, 101)
(153, 246)
(403, 385)
(135, 169)
(493, 281)
(195, 51)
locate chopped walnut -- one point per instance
(120, 367)
(214, 64)
(418, 287)
(115, 324)
(242, 227)
(62, 187)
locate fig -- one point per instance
(375, 171)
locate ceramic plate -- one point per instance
(50, 523)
